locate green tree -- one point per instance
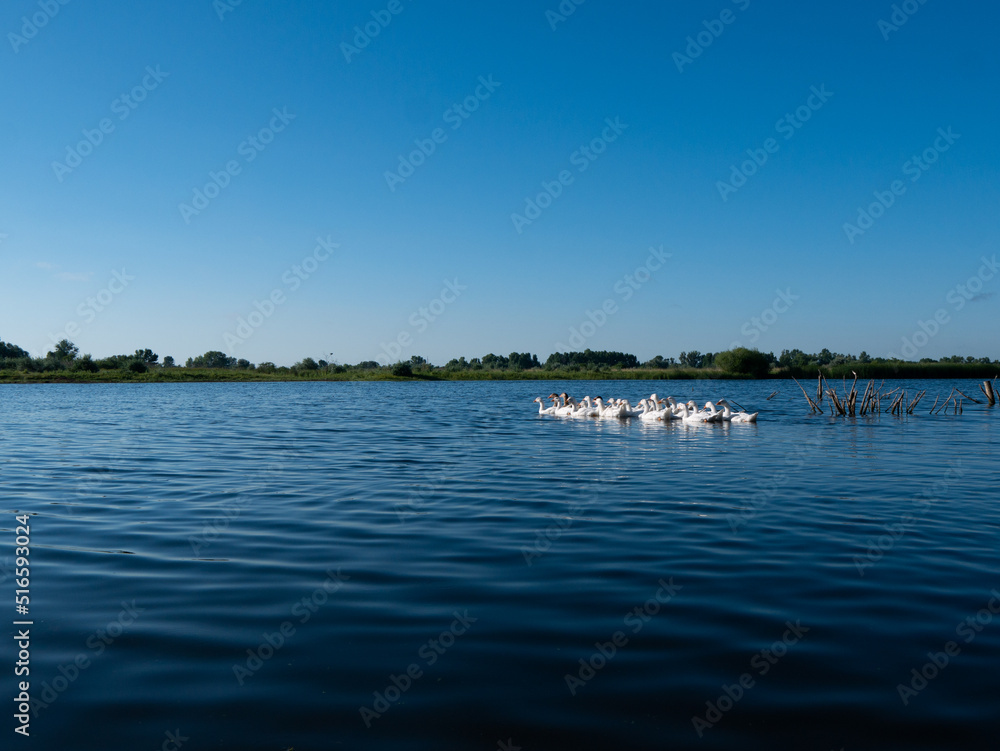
(306, 363)
(212, 359)
(522, 361)
(115, 362)
(65, 350)
(168, 362)
(85, 363)
(692, 359)
(11, 350)
(744, 361)
(494, 362)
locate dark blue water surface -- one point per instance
(425, 566)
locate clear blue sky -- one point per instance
(198, 86)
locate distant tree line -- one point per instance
(65, 356)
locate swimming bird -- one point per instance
(542, 409)
(736, 417)
(568, 407)
(649, 409)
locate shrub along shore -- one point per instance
(65, 365)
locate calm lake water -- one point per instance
(436, 566)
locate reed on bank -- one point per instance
(159, 374)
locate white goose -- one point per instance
(672, 411)
(542, 409)
(736, 417)
(649, 409)
(690, 414)
(568, 407)
(711, 413)
(609, 410)
(587, 409)
(627, 411)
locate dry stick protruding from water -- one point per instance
(836, 402)
(869, 388)
(813, 407)
(853, 397)
(893, 402)
(773, 394)
(943, 406)
(987, 388)
(943, 409)
(870, 399)
(833, 396)
(896, 404)
(968, 397)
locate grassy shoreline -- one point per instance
(209, 375)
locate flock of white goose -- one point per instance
(652, 408)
